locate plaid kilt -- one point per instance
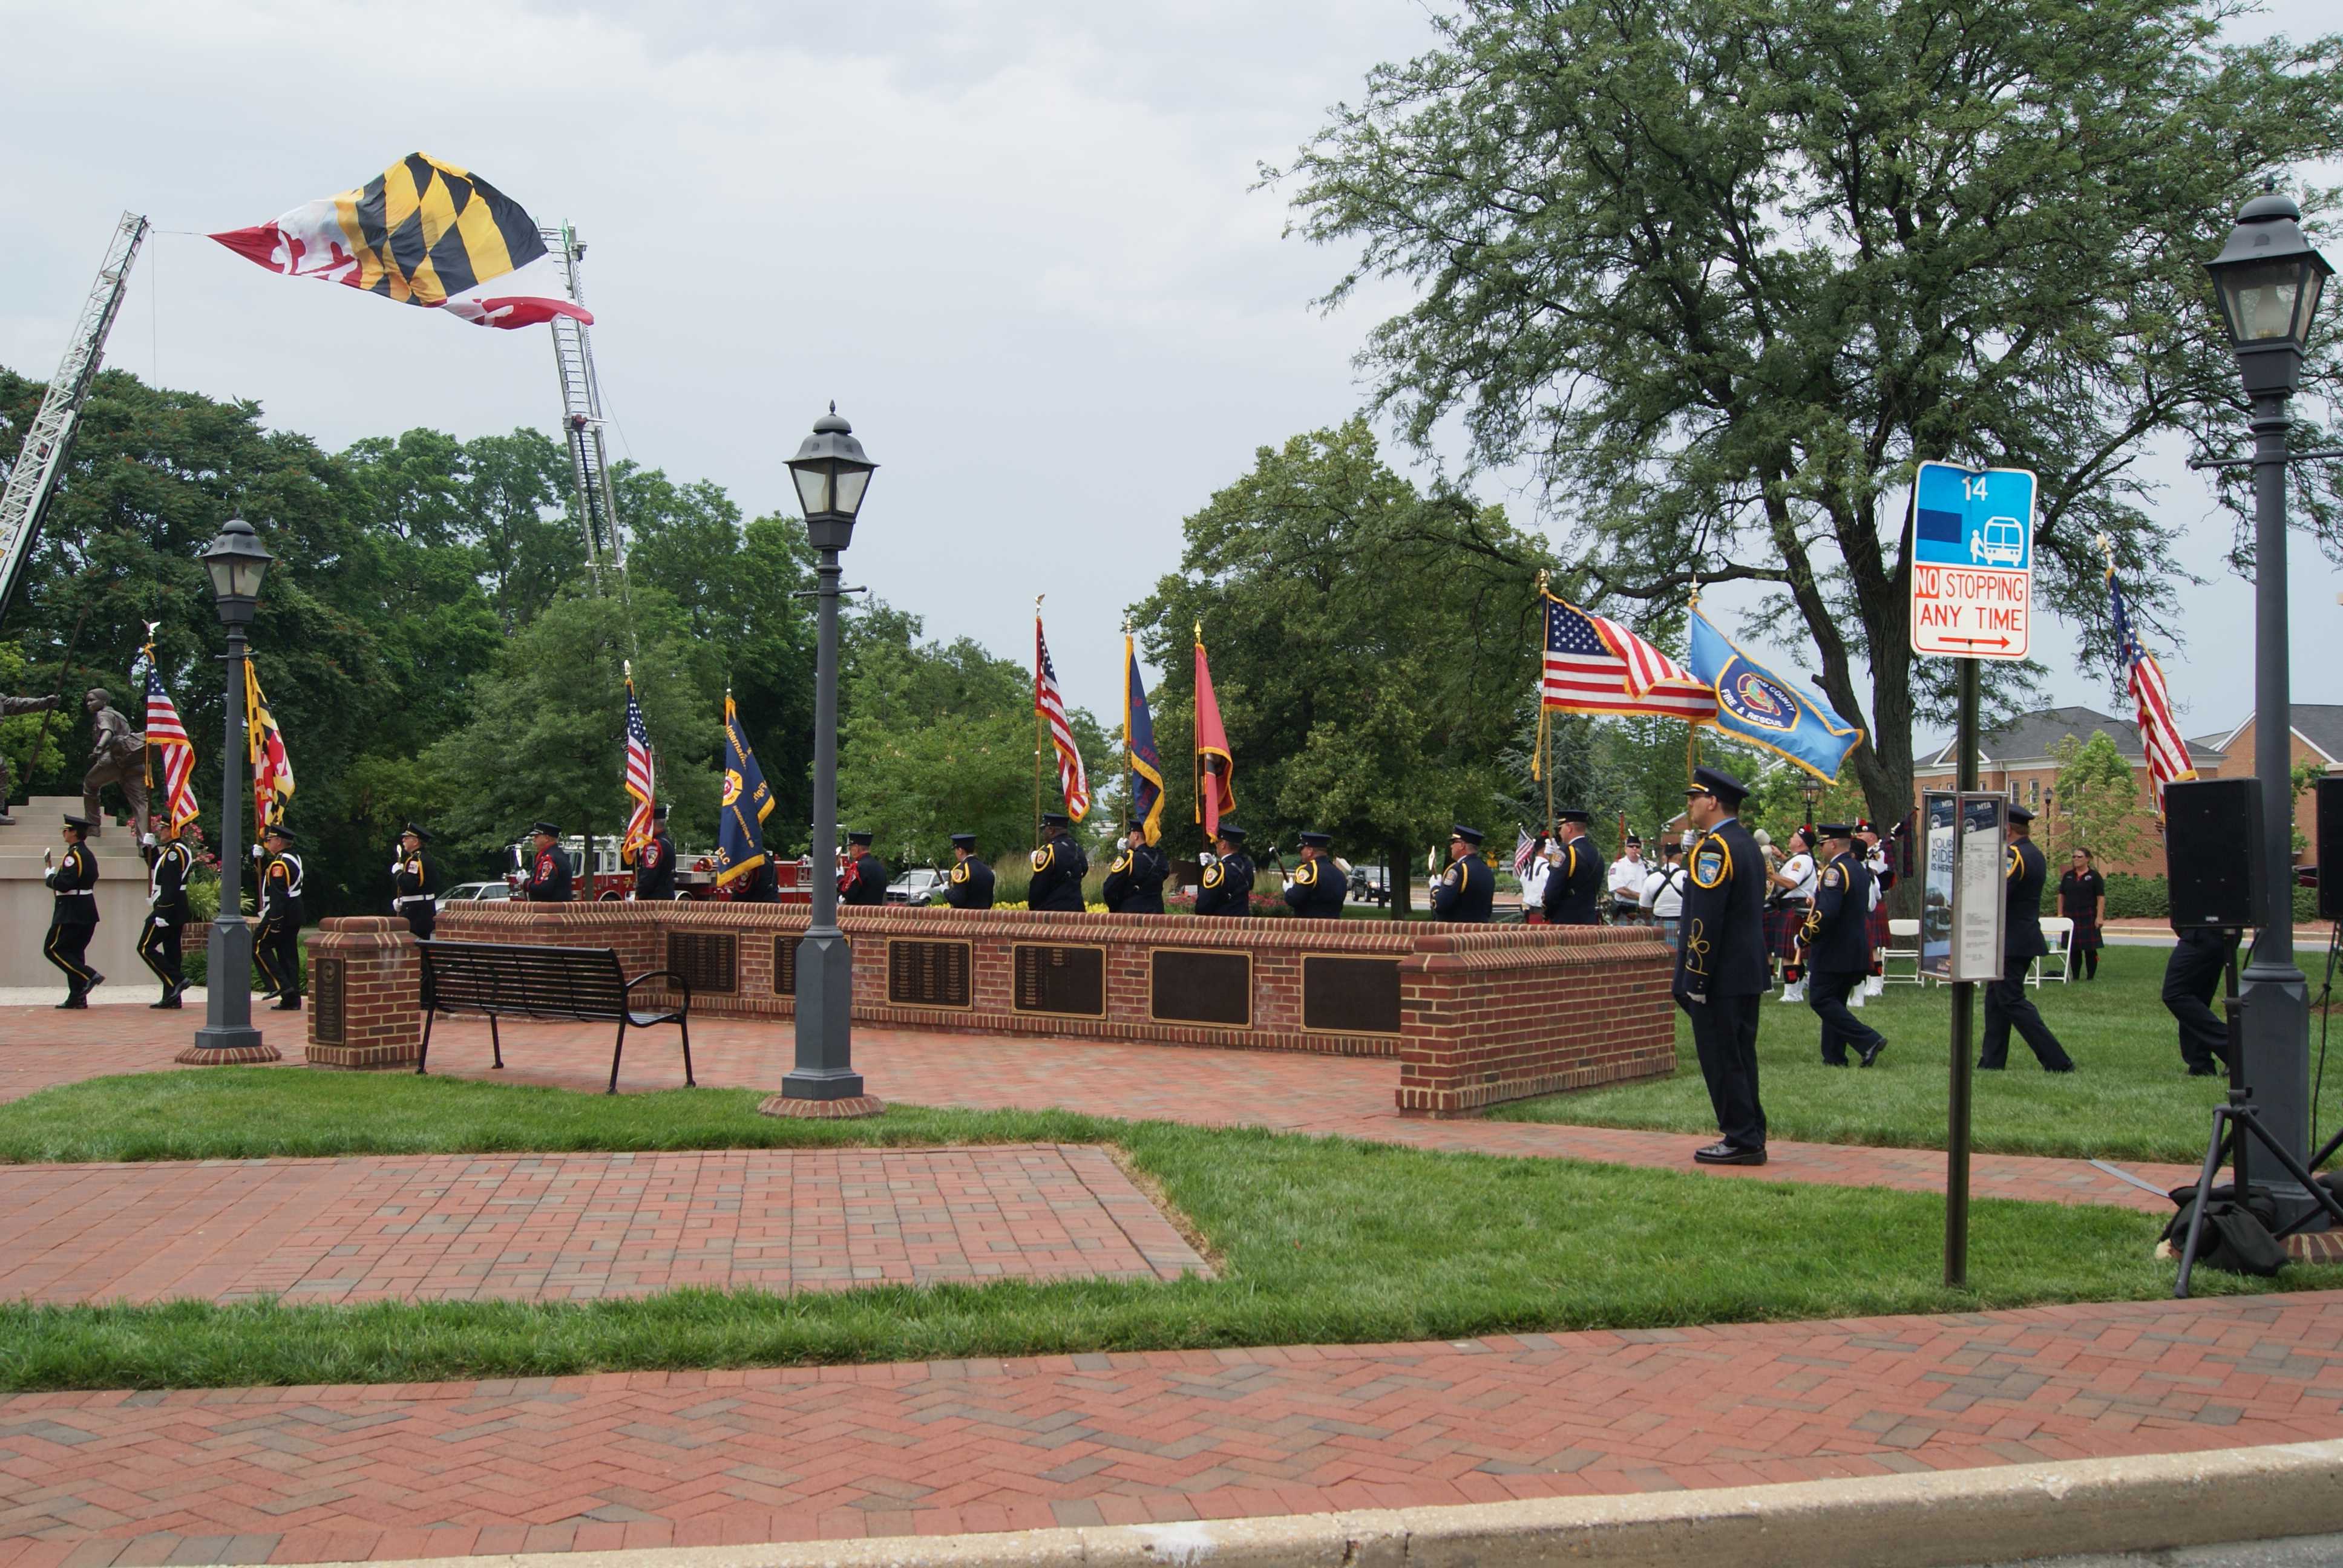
(1782, 924)
(1879, 928)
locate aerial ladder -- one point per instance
(33, 479)
(581, 414)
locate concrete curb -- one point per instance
(1927, 1520)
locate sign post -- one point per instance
(1972, 558)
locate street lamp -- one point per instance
(1810, 790)
(236, 563)
(2267, 280)
(831, 472)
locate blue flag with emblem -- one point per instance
(746, 803)
(1755, 705)
(1139, 749)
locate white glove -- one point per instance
(148, 841)
(394, 868)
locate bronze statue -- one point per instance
(9, 708)
(117, 754)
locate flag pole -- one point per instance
(1040, 734)
(1129, 765)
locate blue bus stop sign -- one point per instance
(1972, 555)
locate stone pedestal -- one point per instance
(365, 978)
(25, 902)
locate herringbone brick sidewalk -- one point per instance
(314, 1474)
(570, 1227)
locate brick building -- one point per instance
(2318, 738)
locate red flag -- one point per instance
(1216, 770)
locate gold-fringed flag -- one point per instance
(2159, 734)
(1216, 769)
(167, 737)
(641, 786)
(1051, 705)
(272, 771)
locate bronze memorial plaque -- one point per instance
(326, 994)
(785, 963)
(1186, 986)
(926, 973)
(1350, 996)
(707, 960)
(1061, 980)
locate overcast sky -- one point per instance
(1018, 242)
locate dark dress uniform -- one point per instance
(762, 885)
(1134, 881)
(2024, 870)
(969, 885)
(1319, 886)
(72, 918)
(1467, 890)
(1723, 971)
(1059, 868)
(1227, 887)
(414, 890)
(276, 945)
(1838, 955)
(2192, 976)
(167, 916)
(1574, 888)
(548, 876)
(654, 868)
(865, 881)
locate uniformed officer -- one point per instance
(2191, 977)
(865, 882)
(1721, 963)
(1838, 947)
(1467, 889)
(1574, 888)
(549, 866)
(73, 915)
(1319, 887)
(1228, 882)
(969, 885)
(277, 943)
(168, 861)
(654, 862)
(1134, 882)
(1059, 868)
(2005, 1003)
(414, 883)
(762, 885)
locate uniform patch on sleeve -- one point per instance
(1212, 875)
(1710, 863)
(1041, 859)
(1449, 876)
(1831, 877)
(960, 872)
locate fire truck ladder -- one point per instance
(34, 479)
(581, 414)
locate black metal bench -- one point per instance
(585, 984)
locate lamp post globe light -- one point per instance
(236, 563)
(831, 472)
(1810, 790)
(2267, 280)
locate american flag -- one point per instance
(638, 775)
(1524, 850)
(167, 735)
(1051, 707)
(1597, 666)
(2159, 735)
(272, 769)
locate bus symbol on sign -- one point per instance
(1971, 554)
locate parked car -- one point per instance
(920, 885)
(1369, 885)
(473, 893)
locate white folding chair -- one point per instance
(2059, 932)
(1903, 942)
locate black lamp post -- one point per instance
(831, 473)
(1810, 790)
(2268, 279)
(236, 562)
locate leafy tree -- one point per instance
(18, 735)
(529, 545)
(2099, 807)
(1722, 274)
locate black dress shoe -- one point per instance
(1840, 1064)
(1871, 1055)
(1729, 1154)
(289, 1004)
(95, 980)
(166, 1001)
(2063, 1067)
(73, 1001)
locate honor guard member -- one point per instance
(1838, 947)
(73, 915)
(1318, 888)
(415, 883)
(277, 944)
(1134, 882)
(1228, 882)
(1059, 868)
(1722, 973)
(1467, 890)
(1574, 888)
(865, 882)
(654, 863)
(2024, 870)
(969, 885)
(168, 865)
(762, 885)
(549, 866)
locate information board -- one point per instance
(1962, 900)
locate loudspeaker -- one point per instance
(2329, 847)
(2213, 851)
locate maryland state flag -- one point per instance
(423, 233)
(1145, 762)
(1216, 770)
(272, 772)
(746, 803)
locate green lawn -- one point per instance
(1319, 1241)
(2129, 1099)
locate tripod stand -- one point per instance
(2236, 1124)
